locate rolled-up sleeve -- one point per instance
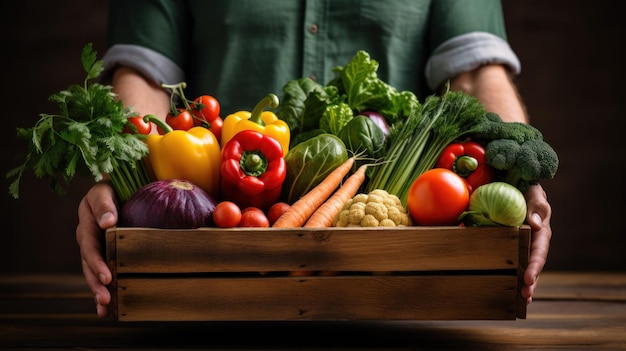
(466, 52)
(149, 63)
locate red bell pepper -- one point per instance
(253, 170)
(467, 159)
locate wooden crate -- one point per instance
(410, 273)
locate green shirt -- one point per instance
(240, 50)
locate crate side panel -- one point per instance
(331, 298)
(408, 249)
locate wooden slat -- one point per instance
(524, 255)
(318, 298)
(344, 249)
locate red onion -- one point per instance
(169, 204)
(378, 119)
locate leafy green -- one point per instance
(294, 108)
(84, 137)
(308, 106)
(310, 162)
(336, 112)
(365, 91)
(361, 135)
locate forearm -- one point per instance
(492, 86)
(144, 96)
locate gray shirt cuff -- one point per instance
(467, 52)
(149, 63)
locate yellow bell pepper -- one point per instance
(192, 154)
(264, 122)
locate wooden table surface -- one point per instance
(571, 311)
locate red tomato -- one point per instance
(205, 108)
(437, 197)
(216, 127)
(276, 211)
(183, 120)
(138, 125)
(253, 217)
(226, 214)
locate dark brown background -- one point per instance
(572, 83)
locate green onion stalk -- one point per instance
(416, 144)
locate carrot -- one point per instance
(324, 215)
(303, 208)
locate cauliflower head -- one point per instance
(375, 209)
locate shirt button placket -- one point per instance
(313, 55)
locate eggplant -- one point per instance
(168, 204)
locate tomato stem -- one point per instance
(166, 128)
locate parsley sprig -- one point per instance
(85, 137)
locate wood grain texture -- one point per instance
(417, 273)
(570, 311)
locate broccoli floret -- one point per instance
(492, 127)
(522, 164)
(502, 153)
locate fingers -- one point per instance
(538, 217)
(96, 212)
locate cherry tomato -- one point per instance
(216, 127)
(226, 214)
(205, 108)
(206, 112)
(437, 197)
(137, 125)
(276, 211)
(182, 120)
(253, 217)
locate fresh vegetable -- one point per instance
(179, 118)
(379, 120)
(253, 217)
(206, 110)
(467, 159)
(492, 127)
(193, 155)
(361, 135)
(171, 204)
(378, 208)
(303, 208)
(516, 150)
(84, 137)
(202, 111)
(336, 114)
(413, 146)
(137, 125)
(265, 122)
(294, 107)
(325, 214)
(309, 162)
(365, 91)
(226, 214)
(496, 203)
(253, 170)
(355, 90)
(276, 211)
(437, 197)
(522, 165)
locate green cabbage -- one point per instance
(496, 203)
(309, 162)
